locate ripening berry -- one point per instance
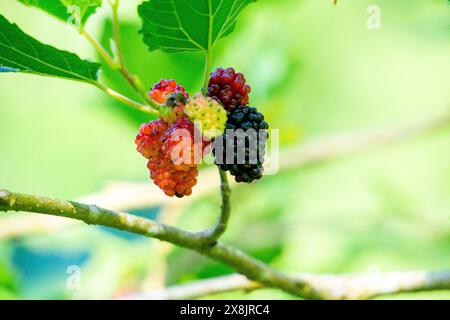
(173, 154)
(163, 88)
(148, 140)
(174, 107)
(208, 114)
(172, 181)
(228, 88)
(184, 145)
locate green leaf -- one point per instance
(72, 11)
(21, 53)
(188, 25)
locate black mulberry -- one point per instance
(242, 147)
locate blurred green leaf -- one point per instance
(80, 10)
(21, 53)
(179, 25)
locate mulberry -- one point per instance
(183, 144)
(229, 88)
(163, 88)
(172, 181)
(172, 155)
(241, 148)
(148, 140)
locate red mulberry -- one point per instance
(163, 88)
(174, 107)
(172, 181)
(183, 144)
(148, 140)
(229, 88)
(172, 155)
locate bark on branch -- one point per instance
(356, 286)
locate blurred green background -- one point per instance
(315, 69)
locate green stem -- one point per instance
(116, 31)
(118, 63)
(101, 51)
(133, 80)
(208, 63)
(211, 236)
(116, 95)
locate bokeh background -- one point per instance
(315, 70)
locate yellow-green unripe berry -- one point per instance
(208, 115)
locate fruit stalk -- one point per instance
(210, 236)
(208, 60)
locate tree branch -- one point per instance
(357, 286)
(326, 148)
(258, 274)
(91, 214)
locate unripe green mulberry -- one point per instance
(209, 114)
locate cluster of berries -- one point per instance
(176, 142)
(172, 144)
(246, 160)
